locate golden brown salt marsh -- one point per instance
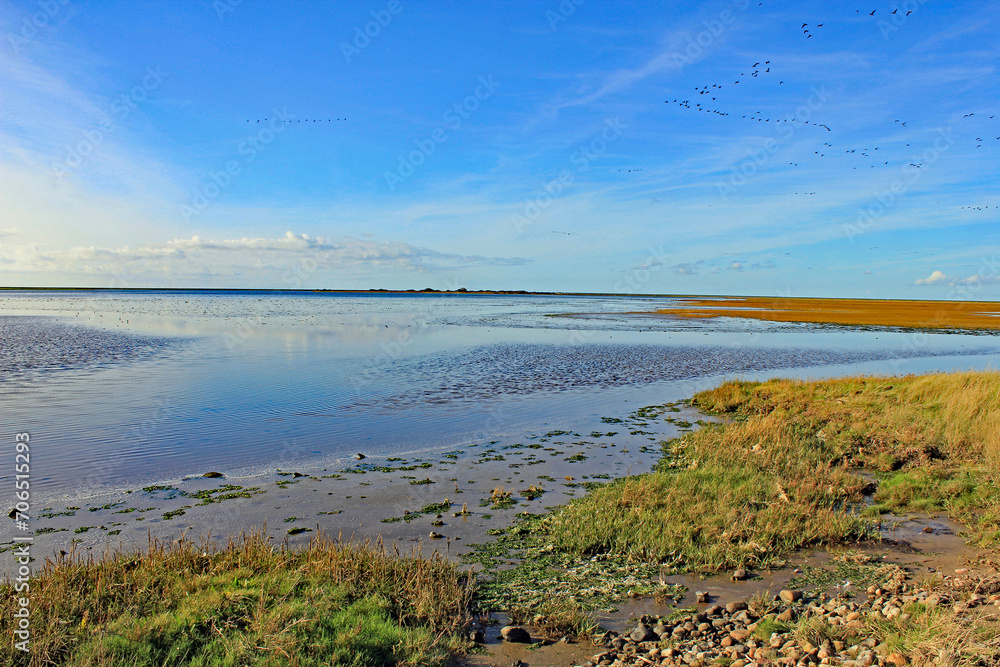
(960, 315)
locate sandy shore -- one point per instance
(397, 499)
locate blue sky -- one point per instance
(515, 145)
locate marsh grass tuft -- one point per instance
(246, 604)
(781, 474)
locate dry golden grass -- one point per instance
(934, 438)
(782, 474)
(856, 312)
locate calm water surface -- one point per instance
(125, 389)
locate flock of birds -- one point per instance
(759, 70)
(763, 69)
(303, 120)
(711, 90)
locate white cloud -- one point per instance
(269, 259)
(935, 278)
(940, 278)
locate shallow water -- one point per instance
(120, 390)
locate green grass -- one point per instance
(247, 604)
(716, 502)
(782, 473)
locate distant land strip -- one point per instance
(849, 312)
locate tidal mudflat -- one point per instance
(136, 396)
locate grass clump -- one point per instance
(246, 604)
(782, 473)
(722, 497)
(500, 498)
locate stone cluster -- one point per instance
(734, 635)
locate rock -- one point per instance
(734, 607)
(662, 630)
(435, 536)
(714, 610)
(740, 635)
(359, 456)
(598, 658)
(701, 596)
(790, 596)
(739, 575)
(897, 659)
(786, 616)
(299, 474)
(643, 633)
(477, 637)
(515, 634)
(213, 475)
